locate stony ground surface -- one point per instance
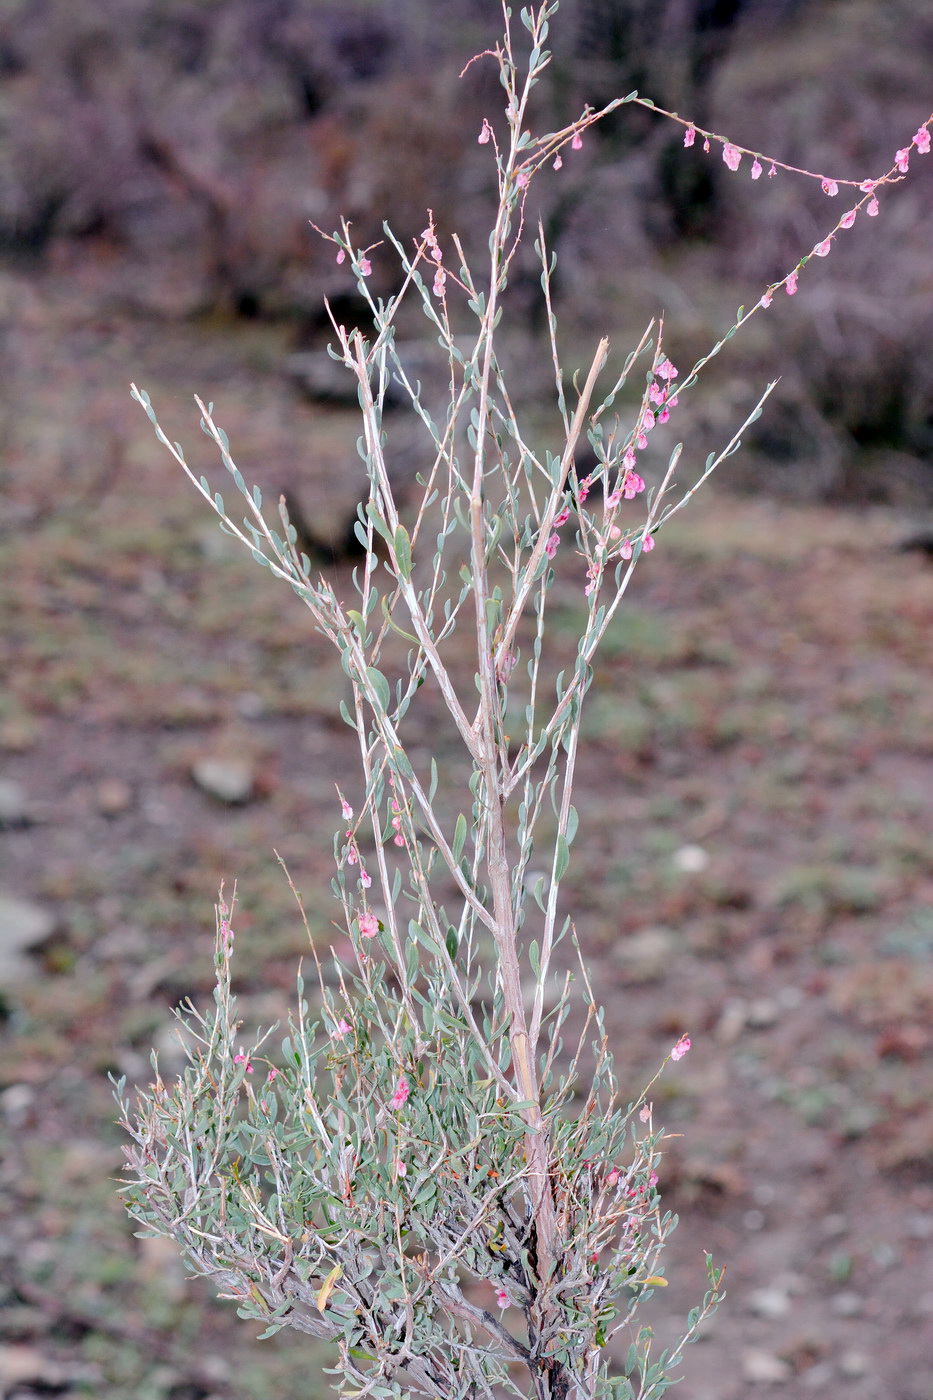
(754, 867)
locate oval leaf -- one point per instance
(327, 1287)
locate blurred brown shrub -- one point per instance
(169, 154)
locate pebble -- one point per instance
(18, 735)
(769, 1302)
(15, 1103)
(764, 1368)
(648, 952)
(692, 860)
(113, 797)
(853, 1365)
(848, 1304)
(23, 926)
(731, 1022)
(818, 1377)
(762, 1013)
(14, 809)
(230, 780)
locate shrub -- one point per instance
(420, 1172)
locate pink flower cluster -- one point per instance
(353, 850)
(920, 139)
(368, 924)
(430, 238)
(402, 1090)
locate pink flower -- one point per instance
(368, 924)
(902, 159)
(848, 219)
(790, 286)
(592, 575)
(647, 544)
(628, 461)
(561, 517)
(822, 250)
(641, 442)
(244, 1060)
(550, 548)
(871, 209)
(706, 145)
(756, 169)
(365, 878)
(922, 140)
(867, 186)
(557, 163)
(690, 135)
(346, 810)
(613, 1176)
(830, 187)
(773, 171)
(342, 1027)
(632, 485)
(583, 490)
(765, 300)
(625, 549)
(577, 142)
(656, 394)
(402, 1090)
(502, 1298)
(665, 370)
(366, 266)
(341, 256)
(645, 1113)
(647, 420)
(485, 133)
(440, 281)
(732, 155)
(681, 1048)
(664, 414)
(272, 1076)
(522, 178)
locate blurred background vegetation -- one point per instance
(754, 864)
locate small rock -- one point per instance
(15, 1103)
(14, 810)
(21, 1365)
(769, 1302)
(647, 953)
(832, 1226)
(762, 1013)
(919, 1226)
(18, 735)
(230, 780)
(753, 1220)
(691, 860)
(731, 1023)
(764, 1368)
(853, 1365)
(848, 1304)
(817, 1377)
(249, 705)
(23, 925)
(113, 796)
